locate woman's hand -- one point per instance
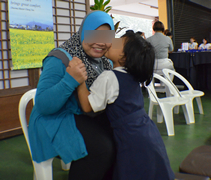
(76, 68)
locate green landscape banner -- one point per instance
(31, 32)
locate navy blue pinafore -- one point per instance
(141, 153)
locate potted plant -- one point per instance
(101, 5)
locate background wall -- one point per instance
(162, 12)
(134, 23)
(190, 19)
(206, 3)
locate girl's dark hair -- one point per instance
(139, 57)
(158, 26)
(139, 32)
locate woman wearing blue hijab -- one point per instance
(57, 125)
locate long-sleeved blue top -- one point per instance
(52, 128)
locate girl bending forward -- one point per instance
(141, 153)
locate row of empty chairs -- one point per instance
(174, 99)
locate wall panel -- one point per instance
(190, 19)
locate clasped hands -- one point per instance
(76, 68)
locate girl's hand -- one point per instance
(82, 87)
(76, 68)
(83, 94)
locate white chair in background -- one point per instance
(43, 170)
(165, 105)
(190, 93)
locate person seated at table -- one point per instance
(205, 45)
(162, 45)
(193, 44)
(167, 33)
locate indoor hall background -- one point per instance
(190, 20)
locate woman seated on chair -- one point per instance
(205, 45)
(193, 44)
(57, 126)
(162, 45)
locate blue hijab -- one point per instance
(93, 20)
(73, 46)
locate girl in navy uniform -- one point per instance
(141, 153)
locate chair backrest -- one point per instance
(29, 95)
(167, 73)
(152, 91)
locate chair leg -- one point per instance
(189, 112)
(176, 110)
(44, 170)
(159, 115)
(168, 92)
(168, 117)
(34, 176)
(65, 167)
(198, 100)
(151, 105)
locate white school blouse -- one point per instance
(193, 45)
(104, 90)
(206, 46)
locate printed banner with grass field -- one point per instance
(31, 32)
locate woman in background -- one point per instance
(193, 44)
(162, 45)
(205, 45)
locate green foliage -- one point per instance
(107, 9)
(106, 3)
(116, 26)
(101, 5)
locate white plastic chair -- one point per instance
(43, 170)
(165, 105)
(190, 93)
